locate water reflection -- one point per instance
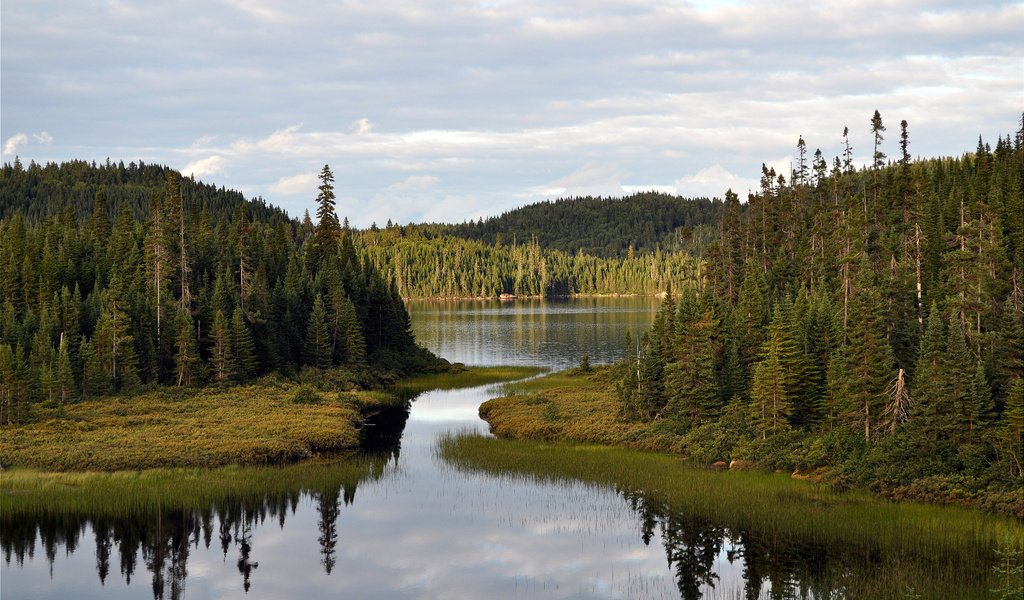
(165, 538)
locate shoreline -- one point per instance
(581, 408)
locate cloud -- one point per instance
(416, 182)
(712, 182)
(500, 100)
(211, 165)
(303, 183)
(12, 143)
(20, 139)
(362, 127)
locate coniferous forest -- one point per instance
(866, 322)
(116, 278)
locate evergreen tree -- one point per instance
(186, 351)
(317, 350)
(221, 360)
(1011, 433)
(242, 348)
(769, 402)
(690, 379)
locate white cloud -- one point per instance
(12, 143)
(712, 182)
(20, 139)
(303, 183)
(416, 182)
(211, 165)
(362, 127)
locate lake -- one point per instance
(421, 527)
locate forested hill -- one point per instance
(603, 227)
(40, 191)
(180, 292)
(868, 322)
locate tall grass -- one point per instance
(470, 377)
(31, 494)
(257, 424)
(939, 551)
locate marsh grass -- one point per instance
(31, 494)
(469, 377)
(878, 547)
(256, 424)
(573, 406)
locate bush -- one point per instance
(306, 394)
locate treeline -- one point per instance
(38, 192)
(865, 321)
(603, 227)
(453, 267)
(188, 294)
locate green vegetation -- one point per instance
(601, 227)
(187, 286)
(940, 551)
(465, 377)
(36, 494)
(452, 267)
(254, 424)
(864, 324)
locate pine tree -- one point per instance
(869, 366)
(690, 380)
(186, 352)
(242, 348)
(317, 351)
(65, 372)
(1011, 433)
(931, 414)
(221, 359)
(769, 403)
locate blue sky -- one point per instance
(446, 111)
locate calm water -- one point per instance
(423, 529)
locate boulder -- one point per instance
(741, 465)
(719, 465)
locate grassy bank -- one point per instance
(35, 494)
(268, 423)
(467, 377)
(571, 406)
(875, 548)
(577, 407)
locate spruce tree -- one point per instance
(317, 351)
(220, 353)
(186, 351)
(769, 402)
(242, 348)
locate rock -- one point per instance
(741, 465)
(719, 465)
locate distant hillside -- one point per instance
(604, 227)
(39, 191)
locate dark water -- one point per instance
(419, 528)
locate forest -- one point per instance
(865, 322)
(602, 227)
(115, 278)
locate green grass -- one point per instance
(571, 406)
(939, 551)
(256, 424)
(30, 493)
(470, 377)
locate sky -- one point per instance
(448, 111)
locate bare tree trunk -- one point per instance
(920, 307)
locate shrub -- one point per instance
(306, 394)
